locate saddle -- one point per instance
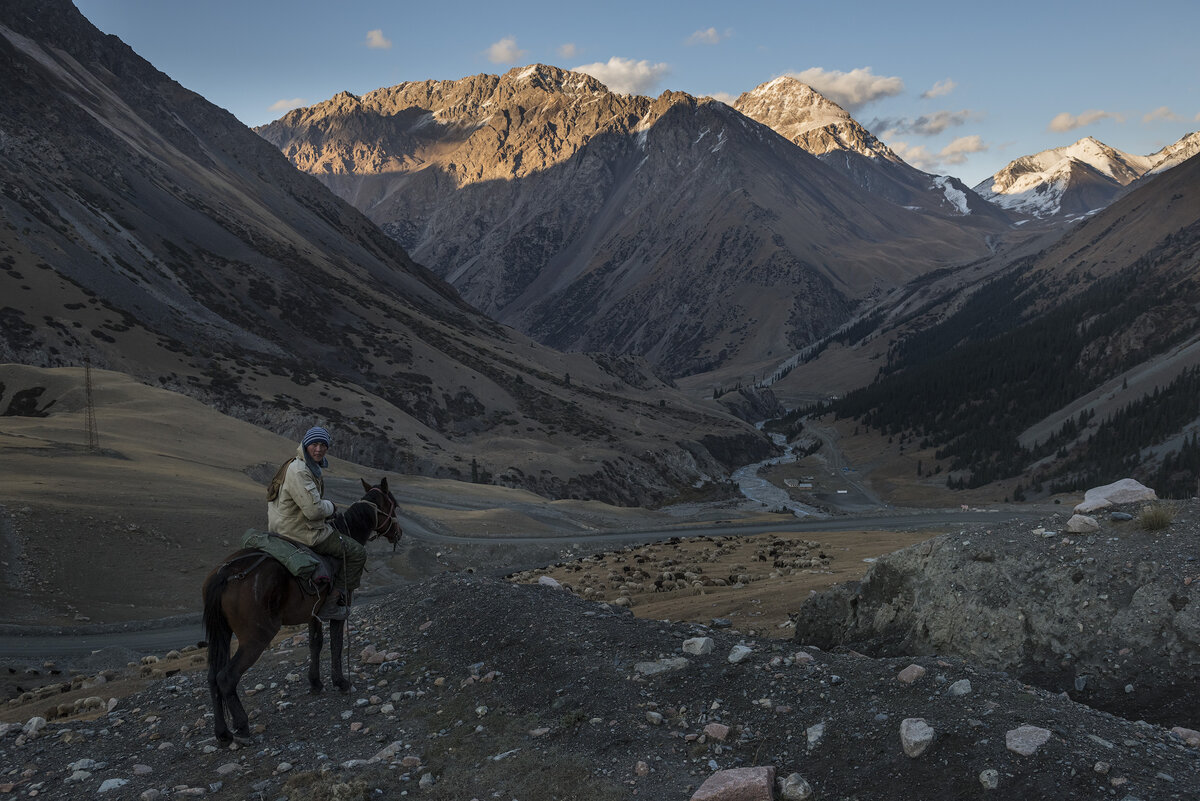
(312, 569)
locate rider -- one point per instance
(299, 511)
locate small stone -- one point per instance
(1102, 768)
(112, 784)
(283, 767)
(915, 736)
(1189, 736)
(1082, 524)
(814, 734)
(741, 783)
(426, 781)
(1026, 740)
(641, 768)
(910, 674)
(717, 731)
(959, 688)
(739, 653)
(654, 718)
(989, 778)
(698, 646)
(795, 788)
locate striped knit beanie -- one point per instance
(315, 434)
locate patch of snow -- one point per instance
(954, 195)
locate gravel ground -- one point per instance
(469, 687)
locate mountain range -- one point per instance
(149, 232)
(675, 228)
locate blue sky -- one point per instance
(959, 88)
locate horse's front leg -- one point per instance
(316, 638)
(337, 630)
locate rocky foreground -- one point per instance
(468, 687)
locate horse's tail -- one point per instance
(217, 630)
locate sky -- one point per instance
(956, 88)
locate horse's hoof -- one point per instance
(316, 689)
(224, 737)
(344, 686)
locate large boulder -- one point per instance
(1127, 490)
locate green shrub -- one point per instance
(1156, 517)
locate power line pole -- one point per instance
(93, 436)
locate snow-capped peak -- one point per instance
(1093, 171)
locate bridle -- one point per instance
(389, 529)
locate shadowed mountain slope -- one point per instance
(152, 233)
(1077, 366)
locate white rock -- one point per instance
(959, 688)
(112, 784)
(739, 653)
(915, 736)
(990, 779)
(795, 788)
(1082, 524)
(549, 581)
(1124, 491)
(661, 666)
(699, 646)
(1026, 740)
(815, 734)
(34, 725)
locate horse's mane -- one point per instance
(357, 521)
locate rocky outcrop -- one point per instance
(1111, 617)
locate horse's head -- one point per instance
(386, 524)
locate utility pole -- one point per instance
(93, 436)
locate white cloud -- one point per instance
(940, 89)
(957, 151)
(626, 76)
(1162, 113)
(954, 153)
(917, 155)
(567, 50)
(851, 90)
(288, 105)
(709, 37)
(505, 51)
(1069, 122)
(377, 41)
(724, 97)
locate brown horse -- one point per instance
(254, 597)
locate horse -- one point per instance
(253, 595)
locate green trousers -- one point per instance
(349, 559)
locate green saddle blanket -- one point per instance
(300, 561)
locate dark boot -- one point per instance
(336, 606)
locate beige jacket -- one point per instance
(300, 510)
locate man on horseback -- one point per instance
(298, 510)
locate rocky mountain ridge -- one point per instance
(819, 126)
(675, 228)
